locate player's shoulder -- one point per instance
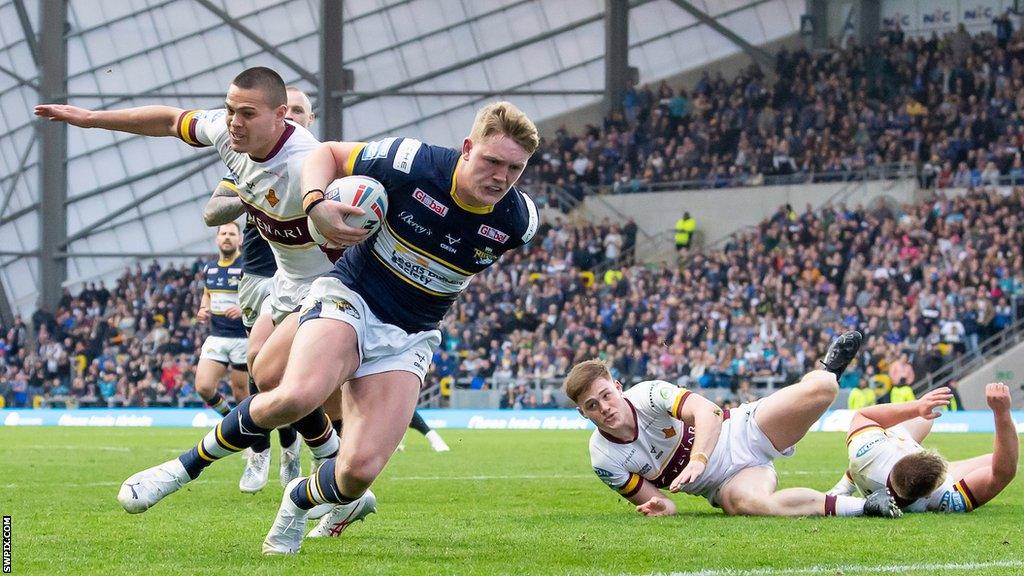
(651, 394)
(520, 210)
(408, 155)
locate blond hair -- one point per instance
(917, 475)
(582, 376)
(505, 118)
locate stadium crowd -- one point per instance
(950, 105)
(133, 345)
(924, 282)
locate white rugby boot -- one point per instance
(142, 490)
(285, 536)
(290, 461)
(343, 515)
(257, 470)
(436, 442)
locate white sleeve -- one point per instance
(663, 398)
(200, 128)
(614, 475)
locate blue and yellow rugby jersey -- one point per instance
(221, 283)
(431, 244)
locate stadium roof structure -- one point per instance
(420, 68)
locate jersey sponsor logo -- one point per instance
(272, 198)
(212, 270)
(406, 217)
(668, 432)
(605, 476)
(867, 447)
(493, 234)
(665, 393)
(405, 154)
(429, 201)
(289, 233)
(450, 243)
(234, 270)
(417, 269)
(483, 257)
(645, 469)
(378, 149)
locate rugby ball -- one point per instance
(359, 191)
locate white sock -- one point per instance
(328, 448)
(849, 506)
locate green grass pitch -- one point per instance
(501, 502)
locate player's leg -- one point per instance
(420, 425)
(960, 468)
(211, 368)
(239, 382)
(786, 415)
(374, 406)
(298, 398)
(751, 492)
(270, 362)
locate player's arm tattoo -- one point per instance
(223, 207)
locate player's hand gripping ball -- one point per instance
(362, 192)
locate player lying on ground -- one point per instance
(884, 445)
(657, 436)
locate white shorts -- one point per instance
(382, 347)
(741, 445)
(286, 295)
(228, 351)
(252, 291)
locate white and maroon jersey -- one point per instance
(269, 188)
(661, 448)
(874, 451)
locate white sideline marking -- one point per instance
(45, 447)
(854, 569)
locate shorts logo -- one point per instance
(493, 234)
(405, 154)
(867, 447)
(429, 201)
(346, 307)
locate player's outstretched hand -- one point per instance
(657, 506)
(329, 219)
(927, 404)
(689, 474)
(64, 113)
(997, 395)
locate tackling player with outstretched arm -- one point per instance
(259, 267)
(885, 453)
(657, 436)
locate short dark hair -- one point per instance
(917, 475)
(266, 80)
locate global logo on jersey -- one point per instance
(429, 201)
(867, 447)
(493, 234)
